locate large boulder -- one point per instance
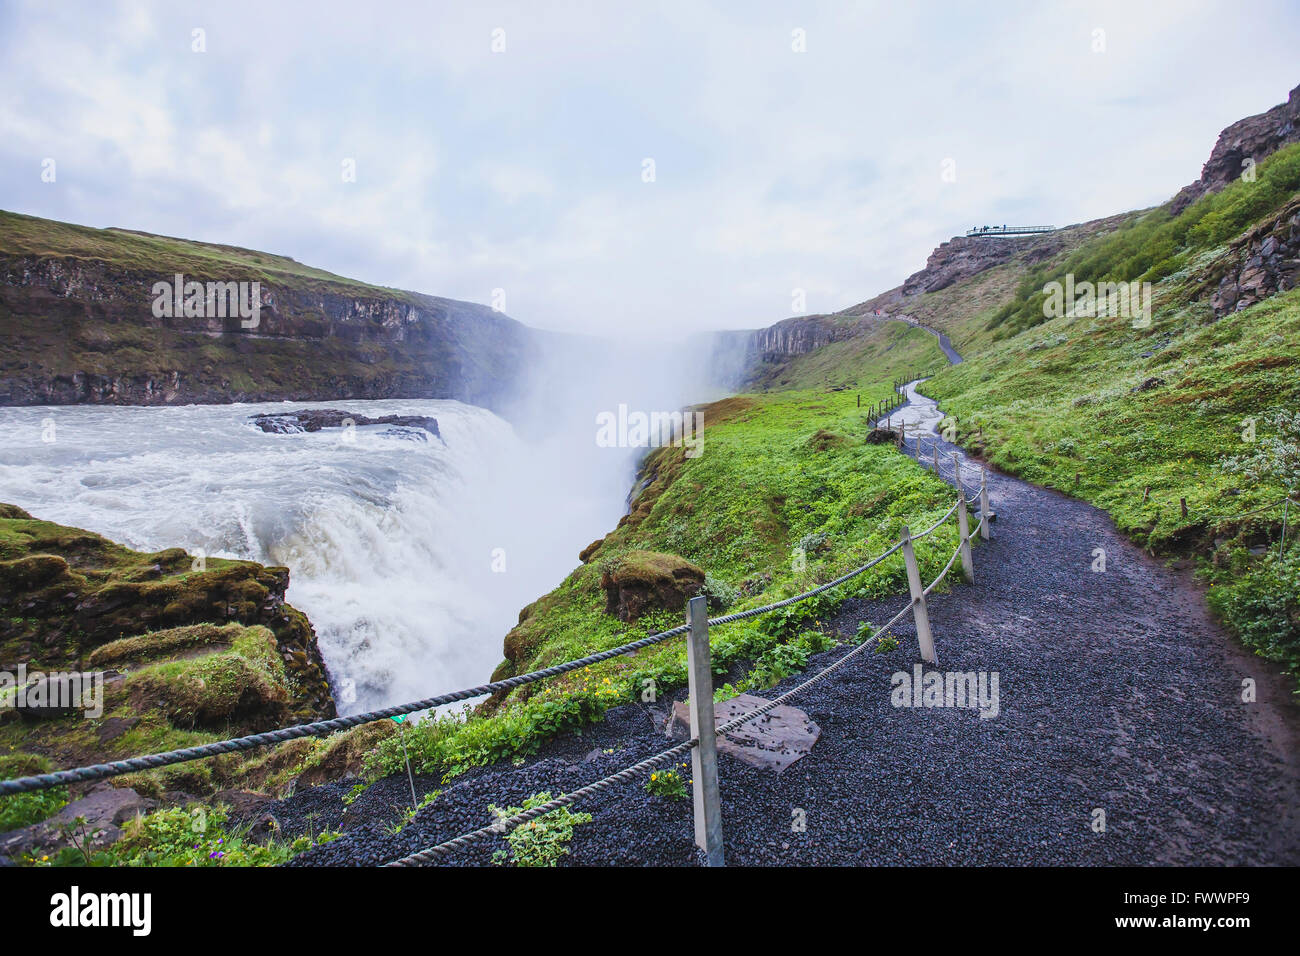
(642, 581)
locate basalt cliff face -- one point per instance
(753, 359)
(1252, 138)
(802, 334)
(78, 324)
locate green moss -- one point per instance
(649, 567)
(163, 643)
(245, 687)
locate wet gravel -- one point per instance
(1116, 693)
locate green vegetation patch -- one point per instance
(1150, 418)
(763, 485)
(1158, 245)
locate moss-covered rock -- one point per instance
(191, 652)
(587, 553)
(162, 644)
(76, 599)
(242, 688)
(641, 581)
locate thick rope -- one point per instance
(317, 728)
(505, 825)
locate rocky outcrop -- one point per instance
(69, 593)
(1252, 138)
(800, 335)
(1263, 261)
(962, 257)
(642, 581)
(315, 419)
(767, 351)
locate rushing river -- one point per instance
(411, 557)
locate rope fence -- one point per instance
(702, 743)
(1214, 520)
(318, 728)
(712, 852)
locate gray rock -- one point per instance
(771, 742)
(112, 806)
(105, 811)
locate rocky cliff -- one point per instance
(1252, 138)
(803, 334)
(962, 257)
(1262, 261)
(79, 323)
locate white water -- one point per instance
(390, 541)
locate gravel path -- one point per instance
(1116, 693)
(945, 343)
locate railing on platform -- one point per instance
(979, 231)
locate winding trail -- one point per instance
(944, 342)
(1116, 693)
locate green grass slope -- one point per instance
(1192, 408)
(141, 251)
(882, 348)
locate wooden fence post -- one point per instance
(923, 636)
(963, 528)
(704, 758)
(935, 448)
(984, 504)
(1286, 506)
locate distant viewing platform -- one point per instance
(1009, 230)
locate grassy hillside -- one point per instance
(883, 348)
(1146, 418)
(143, 252)
(1193, 407)
(1158, 245)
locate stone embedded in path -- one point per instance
(771, 742)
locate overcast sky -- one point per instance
(524, 169)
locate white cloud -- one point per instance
(521, 170)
